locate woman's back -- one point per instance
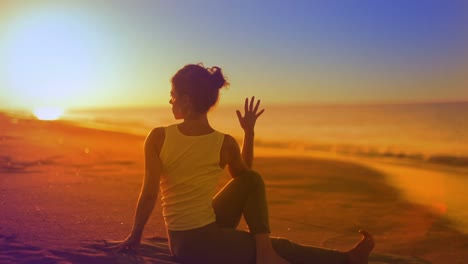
(190, 172)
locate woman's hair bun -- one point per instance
(217, 78)
(201, 84)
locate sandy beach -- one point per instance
(68, 192)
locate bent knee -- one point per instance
(253, 177)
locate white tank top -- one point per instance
(189, 177)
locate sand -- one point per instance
(67, 193)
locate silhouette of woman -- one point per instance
(184, 162)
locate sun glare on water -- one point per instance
(48, 113)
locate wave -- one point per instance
(365, 151)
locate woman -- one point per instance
(185, 160)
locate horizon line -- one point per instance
(298, 104)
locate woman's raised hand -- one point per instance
(247, 121)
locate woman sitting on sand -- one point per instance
(185, 160)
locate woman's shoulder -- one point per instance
(155, 138)
(157, 132)
(228, 138)
(230, 143)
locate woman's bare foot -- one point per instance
(359, 254)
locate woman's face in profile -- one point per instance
(176, 107)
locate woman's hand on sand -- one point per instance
(131, 243)
(247, 121)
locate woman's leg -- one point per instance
(243, 195)
(246, 195)
(300, 254)
(213, 245)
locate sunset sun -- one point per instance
(48, 113)
(56, 57)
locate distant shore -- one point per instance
(63, 186)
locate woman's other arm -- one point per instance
(247, 123)
(236, 164)
(149, 191)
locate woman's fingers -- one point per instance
(256, 106)
(123, 247)
(116, 248)
(259, 113)
(239, 115)
(126, 245)
(246, 105)
(127, 248)
(249, 105)
(250, 109)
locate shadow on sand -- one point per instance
(152, 250)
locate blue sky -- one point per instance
(282, 51)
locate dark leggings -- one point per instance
(220, 242)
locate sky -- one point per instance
(123, 53)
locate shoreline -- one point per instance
(62, 185)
